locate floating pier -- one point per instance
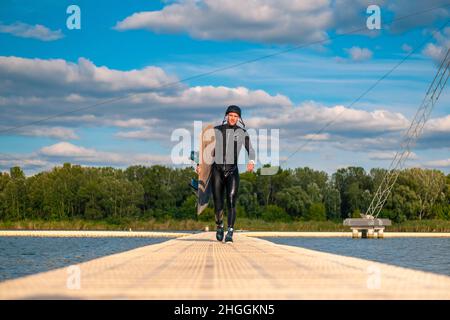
(367, 227)
(199, 267)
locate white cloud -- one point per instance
(358, 144)
(389, 155)
(134, 123)
(340, 119)
(359, 54)
(436, 133)
(336, 127)
(86, 118)
(145, 134)
(281, 21)
(153, 115)
(66, 149)
(428, 12)
(47, 87)
(316, 136)
(60, 78)
(11, 161)
(434, 51)
(51, 132)
(437, 51)
(438, 125)
(37, 31)
(38, 80)
(48, 157)
(78, 154)
(445, 163)
(210, 96)
(406, 47)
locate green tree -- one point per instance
(4, 181)
(188, 210)
(332, 201)
(264, 188)
(15, 195)
(273, 213)
(314, 193)
(402, 202)
(352, 182)
(316, 212)
(248, 199)
(303, 177)
(294, 200)
(70, 191)
(39, 190)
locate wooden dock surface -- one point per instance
(199, 267)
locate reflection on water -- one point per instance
(426, 254)
(20, 256)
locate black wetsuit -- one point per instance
(225, 173)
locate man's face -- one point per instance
(233, 118)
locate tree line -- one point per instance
(140, 192)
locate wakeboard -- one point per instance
(204, 158)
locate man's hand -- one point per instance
(250, 166)
(198, 170)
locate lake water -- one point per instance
(20, 256)
(426, 254)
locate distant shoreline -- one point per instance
(91, 234)
(205, 223)
(162, 234)
(346, 234)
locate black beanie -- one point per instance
(235, 109)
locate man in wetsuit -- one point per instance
(224, 172)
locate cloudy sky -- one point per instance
(132, 75)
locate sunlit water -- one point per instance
(20, 256)
(426, 254)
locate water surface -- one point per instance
(426, 254)
(20, 256)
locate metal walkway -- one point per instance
(199, 267)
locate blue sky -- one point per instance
(136, 47)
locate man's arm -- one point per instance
(251, 152)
